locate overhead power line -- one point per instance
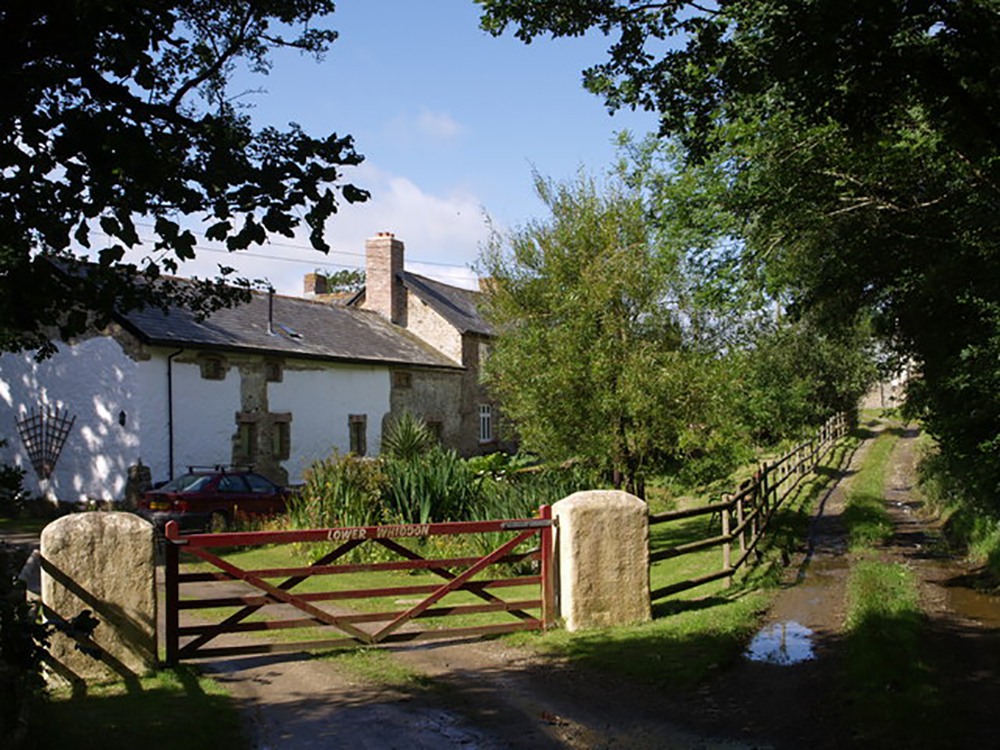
(307, 248)
(312, 263)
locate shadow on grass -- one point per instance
(173, 709)
(673, 659)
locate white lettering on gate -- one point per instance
(410, 530)
(380, 532)
(346, 535)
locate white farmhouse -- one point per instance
(277, 383)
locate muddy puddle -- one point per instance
(975, 605)
(783, 643)
(790, 637)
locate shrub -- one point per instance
(340, 491)
(435, 485)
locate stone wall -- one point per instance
(423, 321)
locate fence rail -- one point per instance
(746, 514)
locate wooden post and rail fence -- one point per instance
(746, 514)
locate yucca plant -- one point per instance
(407, 438)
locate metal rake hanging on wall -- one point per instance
(44, 433)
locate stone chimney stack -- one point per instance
(384, 291)
(314, 283)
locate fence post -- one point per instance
(548, 583)
(727, 545)
(171, 594)
(765, 499)
(739, 522)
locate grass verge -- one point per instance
(867, 520)
(174, 708)
(890, 687)
(888, 684)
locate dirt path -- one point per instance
(962, 646)
(490, 695)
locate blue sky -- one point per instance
(451, 122)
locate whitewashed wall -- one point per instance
(204, 417)
(320, 401)
(95, 381)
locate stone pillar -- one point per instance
(102, 562)
(602, 554)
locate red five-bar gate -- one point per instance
(326, 608)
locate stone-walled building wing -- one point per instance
(448, 318)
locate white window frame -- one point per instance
(485, 423)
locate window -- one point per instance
(259, 484)
(281, 437)
(485, 423)
(272, 371)
(436, 429)
(402, 379)
(246, 440)
(212, 368)
(359, 434)
(232, 483)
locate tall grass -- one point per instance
(433, 486)
(970, 527)
(340, 491)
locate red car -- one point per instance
(211, 498)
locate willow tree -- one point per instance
(589, 358)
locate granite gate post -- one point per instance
(105, 563)
(602, 555)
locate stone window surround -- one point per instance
(213, 367)
(252, 420)
(358, 433)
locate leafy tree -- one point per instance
(862, 147)
(117, 111)
(345, 280)
(589, 360)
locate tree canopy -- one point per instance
(118, 112)
(589, 359)
(861, 147)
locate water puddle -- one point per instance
(784, 643)
(976, 605)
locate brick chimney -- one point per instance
(314, 283)
(384, 292)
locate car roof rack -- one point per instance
(223, 468)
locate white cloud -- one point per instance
(437, 124)
(425, 128)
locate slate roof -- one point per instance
(302, 328)
(460, 307)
